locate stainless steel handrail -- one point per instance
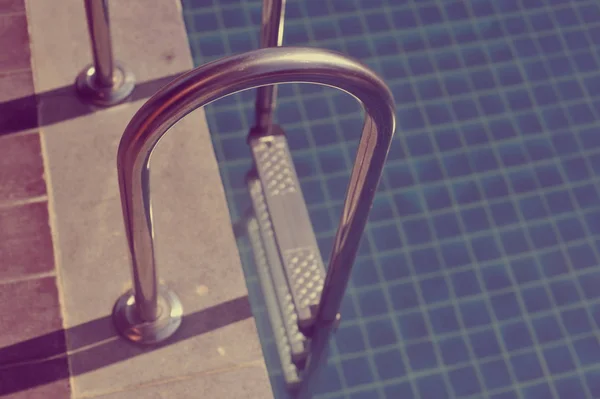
(271, 35)
(138, 314)
(104, 82)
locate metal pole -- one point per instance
(271, 35)
(135, 311)
(104, 82)
(96, 12)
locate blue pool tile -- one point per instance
(494, 186)
(382, 209)
(503, 213)
(495, 374)
(485, 248)
(582, 256)
(356, 371)
(447, 139)
(420, 65)
(399, 390)
(592, 378)
(559, 202)
(438, 113)
(372, 302)
(564, 143)
(589, 283)
(481, 79)
(529, 123)
(412, 326)
(483, 160)
(464, 381)
(364, 273)
(437, 197)
(586, 196)
(419, 145)
(512, 154)
(537, 391)
(456, 10)
(464, 33)
(491, 104)
(564, 292)
(464, 109)
(329, 380)
(542, 235)
(584, 63)
(516, 336)
(514, 241)
(446, 225)
(515, 25)
(421, 356)
(404, 19)
(447, 61)
(443, 320)
(475, 133)
(467, 192)
(425, 260)
(386, 237)
(429, 170)
(588, 350)
(571, 388)
(553, 263)
(526, 366)
(539, 148)
(548, 176)
(381, 333)
(576, 321)
(545, 95)
(404, 296)
(394, 266)
(474, 313)
(505, 306)
(536, 299)
(349, 339)
(400, 176)
(454, 350)
(570, 229)
(559, 359)
(417, 231)
(547, 329)
(429, 14)
(465, 283)
(485, 343)
(410, 118)
(432, 387)
(456, 84)
(532, 207)
(455, 254)
(429, 89)
(475, 219)
(456, 165)
(390, 364)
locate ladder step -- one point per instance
(292, 230)
(291, 374)
(274, 275)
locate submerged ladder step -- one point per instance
(274, 275)
(290, 371)
(292, 229)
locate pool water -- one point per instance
(479, 272)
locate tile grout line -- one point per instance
(52, 222)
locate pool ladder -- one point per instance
(302, 296)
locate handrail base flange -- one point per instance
(89, 92)
(143, 332)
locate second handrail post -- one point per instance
(105, 82)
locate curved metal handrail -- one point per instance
(208, 83)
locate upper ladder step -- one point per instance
(293, 232)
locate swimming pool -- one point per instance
(478, 274)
